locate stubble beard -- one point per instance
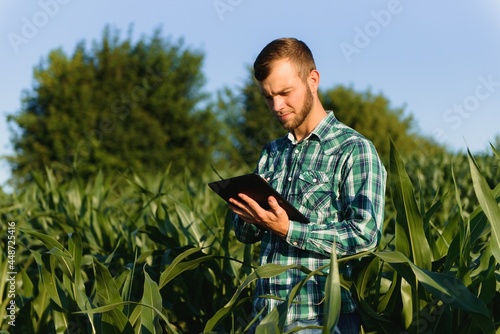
(302, 114)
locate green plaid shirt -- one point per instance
(336, 179)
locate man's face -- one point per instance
(287, 95)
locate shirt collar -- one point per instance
(320, 131)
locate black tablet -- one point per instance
(254, 186)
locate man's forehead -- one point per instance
(283, 76)
(284, 64)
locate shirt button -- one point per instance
(295, 243)
(315, 180)
(290, 179)
(297, 151)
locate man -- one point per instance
(330, 172)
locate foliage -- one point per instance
(120, 105)
(112, 255)
(140, 105)
(130, 254)
(443, 279)
(373, 116)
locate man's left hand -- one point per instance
(275, 219)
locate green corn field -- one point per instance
(129, 253)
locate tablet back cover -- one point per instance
(254, 186)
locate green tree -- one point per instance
(253, 125)
(373, 116)
(119, 105)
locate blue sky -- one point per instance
(440, 60)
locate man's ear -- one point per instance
(313, 80)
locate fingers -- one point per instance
(243, 210)
(273, 203)
(276, 207)
(250, 208)
(274, 219)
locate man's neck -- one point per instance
(309, 124)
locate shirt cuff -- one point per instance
(297, 234)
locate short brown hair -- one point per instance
(293, 49)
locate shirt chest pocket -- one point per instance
(275, 179)
(315, 189)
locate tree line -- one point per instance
(122, 105)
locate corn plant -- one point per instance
(121, 254)
(125, 253)
(439, 282)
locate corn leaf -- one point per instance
(279, 314)
(332, 295)
(113, 306)
(410, 235)
(60, 321)
(27, 284)
(47, 240)
(106, 289)
(268, 328)
(177, 267)
(151, 297)
(48, 280)
(446, 287)
(264, 271)
(488, 204)
(407, 296)
(114, 321)
(494, 149)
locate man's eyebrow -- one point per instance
(284, 90)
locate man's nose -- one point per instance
(278, 103)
